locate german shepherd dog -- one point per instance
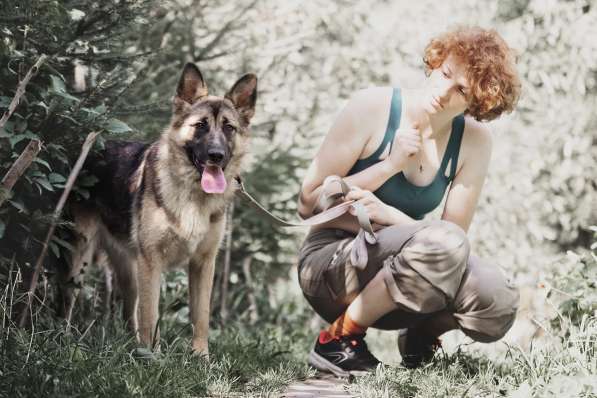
(162, 205)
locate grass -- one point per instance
(99, 358)
(568, 369)
(104, 361)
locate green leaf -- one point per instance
(63, 243)
(56, 178)
(88, 180)
(55, 249)
(59, 89)
(42, 162)
(57, 84)
(98, 110)
(66, 96)
(83, 192)
(15, 139)
(5, 193)
(38, 174)
(5, 101)
(44, 183)
(19, 206)
(42, 104)
(2, 229)
(117, 126)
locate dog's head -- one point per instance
(211, 131)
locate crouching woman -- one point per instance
(401, 150)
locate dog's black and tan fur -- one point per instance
(148, 211)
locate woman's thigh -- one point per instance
(328, 279)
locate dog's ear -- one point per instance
(244, 96)
(191, 86)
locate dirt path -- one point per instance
(322, 385)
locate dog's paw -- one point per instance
(201, 349)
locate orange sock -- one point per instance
(344, 326)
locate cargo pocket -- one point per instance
(340, 277)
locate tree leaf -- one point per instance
(88, 180)
(44, 183)
(63, 243)
(2, 228)
(19, 206)
(57, 84)
(43, 162)
(15, 139)
(58, 88)
(117, 126)
(5, 101)
(56, 178)
(55, 249)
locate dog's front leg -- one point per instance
(148, 281)
(201, 275)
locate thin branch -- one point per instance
(18, 168)
(56, 216)
(225, 29)
(21, 90)
(253, 314)
(226, 274)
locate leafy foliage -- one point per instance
(574, 283)
(58, 107)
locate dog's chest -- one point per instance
(192, 229)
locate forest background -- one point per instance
(112, 67)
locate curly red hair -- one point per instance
(489, 64)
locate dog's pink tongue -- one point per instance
(212, 180)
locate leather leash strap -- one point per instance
(334, 189)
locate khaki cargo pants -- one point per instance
(427, 269)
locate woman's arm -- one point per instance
(343, 146)
(467, 185)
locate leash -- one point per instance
(326, 211)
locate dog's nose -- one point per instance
(215, 155)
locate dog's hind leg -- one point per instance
(107, 293)
(122, 263)
(85, 246)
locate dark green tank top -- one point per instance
(397, 191)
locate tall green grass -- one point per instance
(567, 369)
(100, 358)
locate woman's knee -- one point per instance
(432, 262)
(440, 242)
(486, 302)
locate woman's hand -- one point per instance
(378, 211)
(407, 142)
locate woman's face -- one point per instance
(447, 88)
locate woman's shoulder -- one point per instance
(477, 138)
(372, 97)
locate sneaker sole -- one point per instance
(322, 364)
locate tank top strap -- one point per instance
(394, 119)
(453, 148)
(393, 124)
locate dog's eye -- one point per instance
(228, 128)
(201, 124)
